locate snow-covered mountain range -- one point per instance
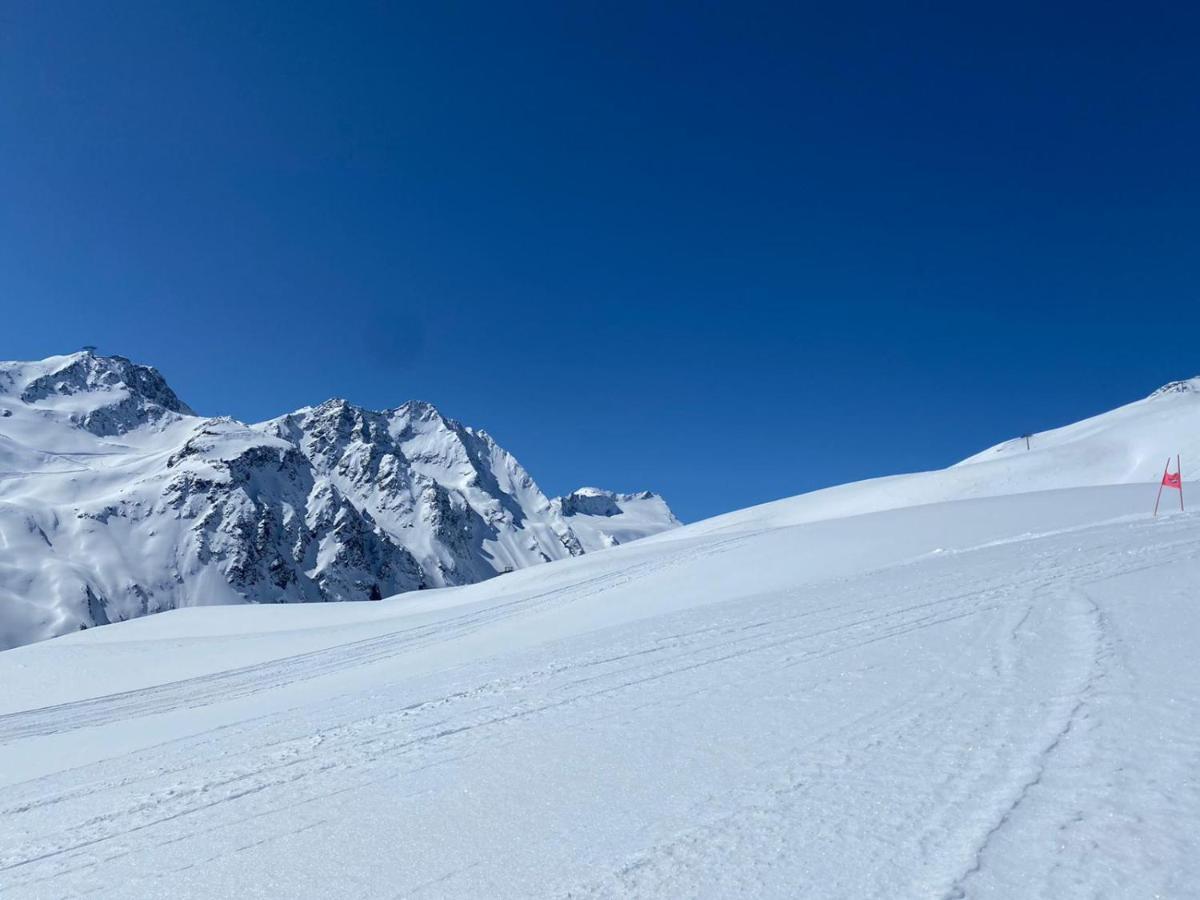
(117, 500)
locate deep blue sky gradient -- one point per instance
(729, 252)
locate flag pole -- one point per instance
(1160, 485)
(1179, 472)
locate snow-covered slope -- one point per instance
(117, 500)
(870, 691)
(603, 519)
(1127, 445)
(985, 698)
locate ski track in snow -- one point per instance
(926, 730)
(248, 680)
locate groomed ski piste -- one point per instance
(976, 682)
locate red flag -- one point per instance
(1171, 481)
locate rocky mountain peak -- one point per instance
(86, 372)
(106, 395)
(330, 502)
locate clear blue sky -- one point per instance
(723, 251)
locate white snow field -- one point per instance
(899, 688)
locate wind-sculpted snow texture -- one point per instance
(116, 500)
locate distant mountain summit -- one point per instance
(105, 395)
(1187, 386)
(457, 501)
(117, 500)
(602, 519)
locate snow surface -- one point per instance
(907, 687)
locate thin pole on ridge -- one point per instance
(1179, 472)
(1161, 482)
